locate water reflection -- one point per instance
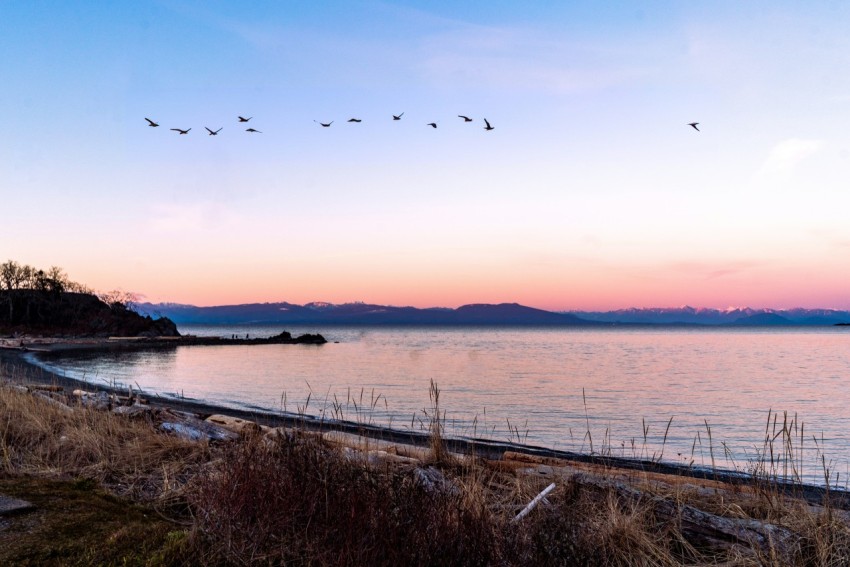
(563, 389)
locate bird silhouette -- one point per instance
(241, 119)
(487, 127)
(694, 126)
(252, 130)
(398, 116)
(432, 124)
(151, 123)
(181, 131)
(211, 132)
(465, 118)
(324, 124)
(354, 120)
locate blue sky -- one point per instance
(590, 193)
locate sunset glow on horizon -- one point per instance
(590, 193)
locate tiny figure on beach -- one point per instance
(247, 335)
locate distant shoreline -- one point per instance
(483, 314)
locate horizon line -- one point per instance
(609, 310)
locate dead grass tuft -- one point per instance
(130, 457)
(291, 499)
(298, 501)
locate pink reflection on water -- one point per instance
(528, 385)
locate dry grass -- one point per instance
(296, 501)
(129, 457)
(292, 499)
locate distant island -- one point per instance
(503, 314)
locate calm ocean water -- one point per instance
(558, 388)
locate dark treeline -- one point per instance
(40, 301)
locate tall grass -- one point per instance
(290, 499)
(130, 457)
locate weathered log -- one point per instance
(703, 527)
(363, 443)
(190, 427)
(234, 424)
(53, 402)
(434, 481)
(47, 387)
(534, 502)
(99, 400)
(134, 411)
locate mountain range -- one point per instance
(708, 316)
(510, 314)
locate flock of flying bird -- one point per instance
(242, 119)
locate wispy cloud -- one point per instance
(191, 217)
(713, 270)
(834, 238)
(784, 158)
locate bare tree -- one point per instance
(24, 287)
(118, 299)
(13, 276)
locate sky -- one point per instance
(590, 193)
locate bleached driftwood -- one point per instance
(189, 427)
(362, 443)
(534, 502)
(235, 424)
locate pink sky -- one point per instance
(592, 192)
(578, 288)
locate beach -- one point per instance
(442, 466)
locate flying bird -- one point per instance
(151, 123)
(181, 131)
(694, 126)
(488, 127)
(324, 124)
(354, 120)
(252, 130)
(465, 118)
(242, 119)
(432, 124)
(211, 132)
(398, 116)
